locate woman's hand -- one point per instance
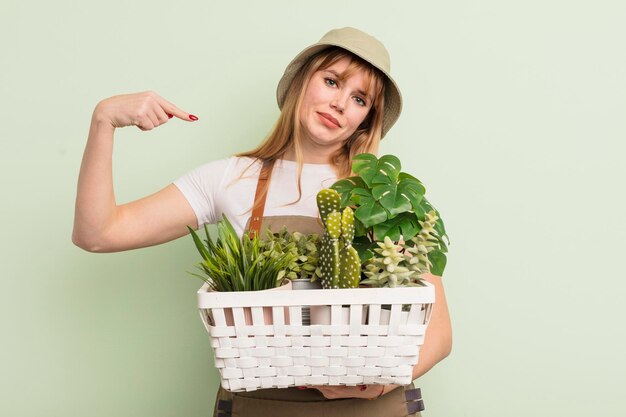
(145, 110)
(371, 392)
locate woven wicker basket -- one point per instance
(289, 353)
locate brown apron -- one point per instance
(292, 402)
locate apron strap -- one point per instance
(259, 198)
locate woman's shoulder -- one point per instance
(228, 165)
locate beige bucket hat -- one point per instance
(362, 45)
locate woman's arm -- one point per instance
(438, 342)
(100, 225)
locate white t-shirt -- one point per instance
(218, 188)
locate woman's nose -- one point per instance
(337, 103)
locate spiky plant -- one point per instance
(234, 264)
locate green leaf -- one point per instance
(347, 184)
(370, 213)
(199, 245)
(345, 188)
(359, 229)
(392, 199)
(438, 261)
(364, 247)
(366, 166)
(404, 176)
(404, 224)
(414, 193)
(358, 194)
(387, 170)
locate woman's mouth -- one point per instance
(328, 120)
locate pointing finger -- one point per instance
(173, 110)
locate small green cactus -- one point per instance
(340, 265)
(328, 202)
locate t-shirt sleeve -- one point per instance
(201, 186)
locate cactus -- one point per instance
(340, 265)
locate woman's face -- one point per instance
(333, 108)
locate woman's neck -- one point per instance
(308, 156)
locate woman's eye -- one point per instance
(330, 82)
(359, 101)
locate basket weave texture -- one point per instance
(368, 344)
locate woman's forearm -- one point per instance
(438, 340)
(95, 198)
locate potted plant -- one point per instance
(233, 264)
(303, 270)
(394, 233)
(340, 264)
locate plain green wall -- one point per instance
(513, 118)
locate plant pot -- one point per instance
(322, 315)
(385, 315)
(306, 284)
(268, 316)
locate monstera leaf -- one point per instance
(370, 212)
(366, 166)
(387, 170)
(438, 261)
(391, 198)
(404, 225)
(346, 187)
(388, 202)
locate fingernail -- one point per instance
(192, 117)
(170, 115)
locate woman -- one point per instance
(337, 100)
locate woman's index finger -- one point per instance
(173, 110)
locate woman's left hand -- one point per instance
(332, 392)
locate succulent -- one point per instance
(340, 265)
(425, 245)
(304, 248)
(401, 265)
(390, 267)
(239, 264)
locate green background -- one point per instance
(514, 118)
